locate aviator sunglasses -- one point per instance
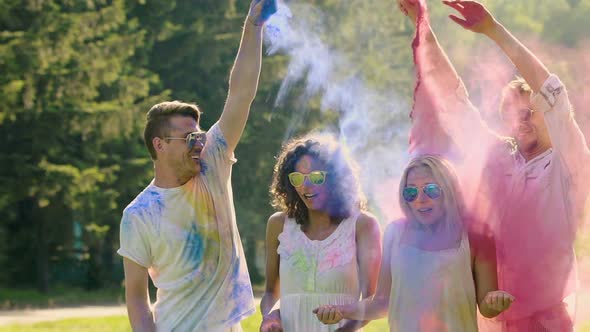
(522, 115)
(431, 190)
(316, 177)
(192, 138)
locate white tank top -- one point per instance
(316, 272)
(431, 290)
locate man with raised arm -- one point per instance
(181, 230)
(530, 186)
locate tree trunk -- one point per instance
(42, 257)
(250, 249)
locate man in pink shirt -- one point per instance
(529, 187)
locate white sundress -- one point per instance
(431, 290)
(315, 273)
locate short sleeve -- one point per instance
(219, 144)
(216, 156)
(134, 243)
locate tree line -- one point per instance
(78, 77)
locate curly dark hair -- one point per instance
(344, 190)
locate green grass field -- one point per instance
(102, 324)
(121, 324)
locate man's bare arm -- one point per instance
(137, 297)
(478, 19)
(243, 81)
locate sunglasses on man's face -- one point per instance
(316, 177)
(431, 190)
(521, 115)
(192, 139)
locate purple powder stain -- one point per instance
(126, 223)
(149, 206)
(241, 293)
(220, 140)
(273, 31)
(204, 167)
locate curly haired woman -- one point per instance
(322, 247)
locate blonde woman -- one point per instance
(433, 270)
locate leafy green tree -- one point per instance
(78, 77)
(70, 88)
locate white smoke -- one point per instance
(373, 124)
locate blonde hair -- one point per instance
(444, 175)
(516, 87)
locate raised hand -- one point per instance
(271, 323)
(261, 11)
(476, 17)
(409, 8)
(498, 300)
(328, 314)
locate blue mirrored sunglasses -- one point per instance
(431, 190)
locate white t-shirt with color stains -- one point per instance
(188, 239)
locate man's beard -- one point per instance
(185, 170)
